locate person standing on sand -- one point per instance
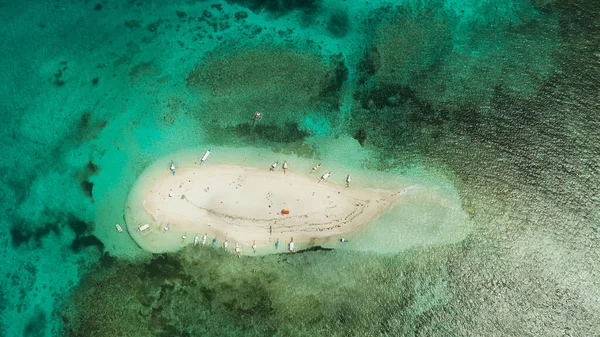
(237, 250)
(285, 167)
(273, 166)
(225, 244)
(277, 243)
(172, 167)
(183, 238)
(204, 239)
(348, 181)
(254, 246)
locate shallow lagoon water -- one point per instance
(497, 102)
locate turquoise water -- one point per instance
(499, 99)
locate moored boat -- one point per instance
(205, 156)
(143, 227)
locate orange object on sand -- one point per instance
(285, 211)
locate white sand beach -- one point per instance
(244, 204)
(230, 198)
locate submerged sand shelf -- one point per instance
(243, 204)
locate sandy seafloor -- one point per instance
(495, 104)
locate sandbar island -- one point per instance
(246, 206)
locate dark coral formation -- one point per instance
(200, 292)
(280, 7)
(338, 23)
(285, 84)
(31, 235)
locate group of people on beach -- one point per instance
(284, 166)
(274, 165)
(237, 249)
(314, 169)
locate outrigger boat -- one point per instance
(325, 176)
(315, 168)
(257, 117)
(143, 227)
(291, 245)
(172, 167)
(119, 229)
(196, 239)
(205, 156)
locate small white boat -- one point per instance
(167, 227)
(257, 117)
(119, 229)
(143, 227)
(205, 156)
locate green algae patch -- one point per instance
(324, 293)
(283, 83)
(454, 58)
(407, 48)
